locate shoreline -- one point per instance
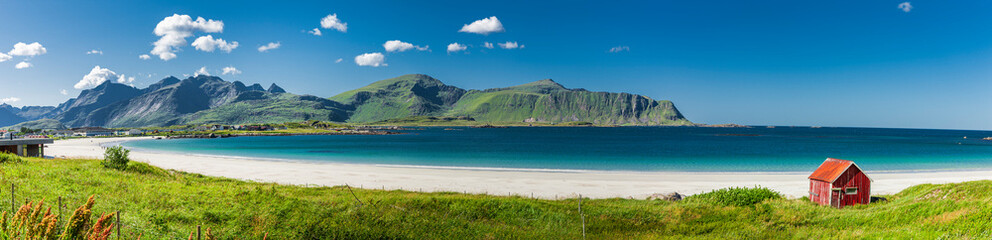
(263, 134)
(542, 184)
(510, 169)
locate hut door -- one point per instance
(835, 198)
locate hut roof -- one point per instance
(831, 169)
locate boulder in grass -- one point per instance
(672, 196)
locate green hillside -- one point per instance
(407, 95)
(159, 204)
(543, 101)
(547, 101)
(41, 124)
(263, 107)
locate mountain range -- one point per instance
(211, 100)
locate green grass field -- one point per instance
(161, 204)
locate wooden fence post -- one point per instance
(60, 210)
(583, 216)
(353, 195)
(118, 224)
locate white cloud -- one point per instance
(455, 47)
(9, 100)
(64, 92)
(144, 57)
(94, 51)
(371, 60)
(96, 77)
(23, 65)
(510, 45)
(483, 26)
(905, 6)
(209, 44)
(230, 70)
(315, 32)
(270, 46)
(4, 57)
(620, 49)
(125, 80)
(99, 75)
(400, 46)
(488, 45)
(332, 22)
(174, 30)
(202, 71)
(339, 60)
(29, 50)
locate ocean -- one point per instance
(684, 149)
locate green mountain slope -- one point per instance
(547, 101)
(265, 107)
(541, 101)
(40, 124)
(407, 95)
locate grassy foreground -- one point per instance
(160, 204)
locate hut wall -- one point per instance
(854, 178)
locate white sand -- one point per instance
(595, 184)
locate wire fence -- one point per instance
(64, 207)
(128, 226)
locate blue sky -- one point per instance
(823, 63)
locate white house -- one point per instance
(92, 131)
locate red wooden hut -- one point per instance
(839, 183)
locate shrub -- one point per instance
(116, 157)
(736, 196)
(143, 168)
(9, 157)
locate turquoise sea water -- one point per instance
(781, 149)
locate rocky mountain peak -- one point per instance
(275, 89)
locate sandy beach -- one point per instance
(594, 184)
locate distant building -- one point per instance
(135, 132)
(92, 131)
(839, 183)
(257, 128)
(217, 127)
(62, 133)
(27, 147)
